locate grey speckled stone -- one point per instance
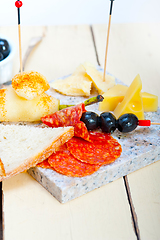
(139, 149)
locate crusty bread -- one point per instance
(29, 84)
(24, 146)
(14, 108)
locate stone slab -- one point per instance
(139, 149)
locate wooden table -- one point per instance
(128, 208)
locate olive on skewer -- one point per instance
(108, 123)
(127, 122)
(91, 120)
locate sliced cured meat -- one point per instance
(103, 149)
(69, 117)
(65, 163)
(65, 117)
(80, 130)
(44, 164)
(99, 137)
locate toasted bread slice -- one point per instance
(24, 146)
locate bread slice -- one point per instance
(23, 146)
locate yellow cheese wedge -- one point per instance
(116, 94)
(150, 102)
(112, 97)
(97, 78)
(132, 102)
(75, 85)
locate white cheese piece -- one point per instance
(75, 85)
(97, 78)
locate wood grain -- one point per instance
(30, 212)
(145, 191)
(134, 48)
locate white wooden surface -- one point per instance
(55, 12)
(30, 212)
(133, 49)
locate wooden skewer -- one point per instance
(18, 4)
(105, 63)
(20, 48)
(154, 123)
(146, 123)
(107, 42)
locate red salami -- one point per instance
(99, 136)
(65, 117)
(103, 149)
(44, 164)
(65, 163)
(80, 130)
(69, 117)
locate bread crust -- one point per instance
(2, 171)
(32, 162)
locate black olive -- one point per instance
(90, 119)
(127, 122)
(4, 47)
(99, 121)
(108, 122)
(1, 56)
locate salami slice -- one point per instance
(103, 149)
(44, 164)
(69, 117)
(65, 117)
(65, 163)
(80, 130)
(99, 137)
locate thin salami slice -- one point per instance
(65, 117)
(99, 137)
(80, 130)
(44, 164)
(103, 149)
(65, 163)
(69, 117)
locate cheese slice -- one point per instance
(150, 102)
(116, 94)
(132, 102)
(97, 78)
(75, 85)
(14, 108)
(79, 70)
(112, 97)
